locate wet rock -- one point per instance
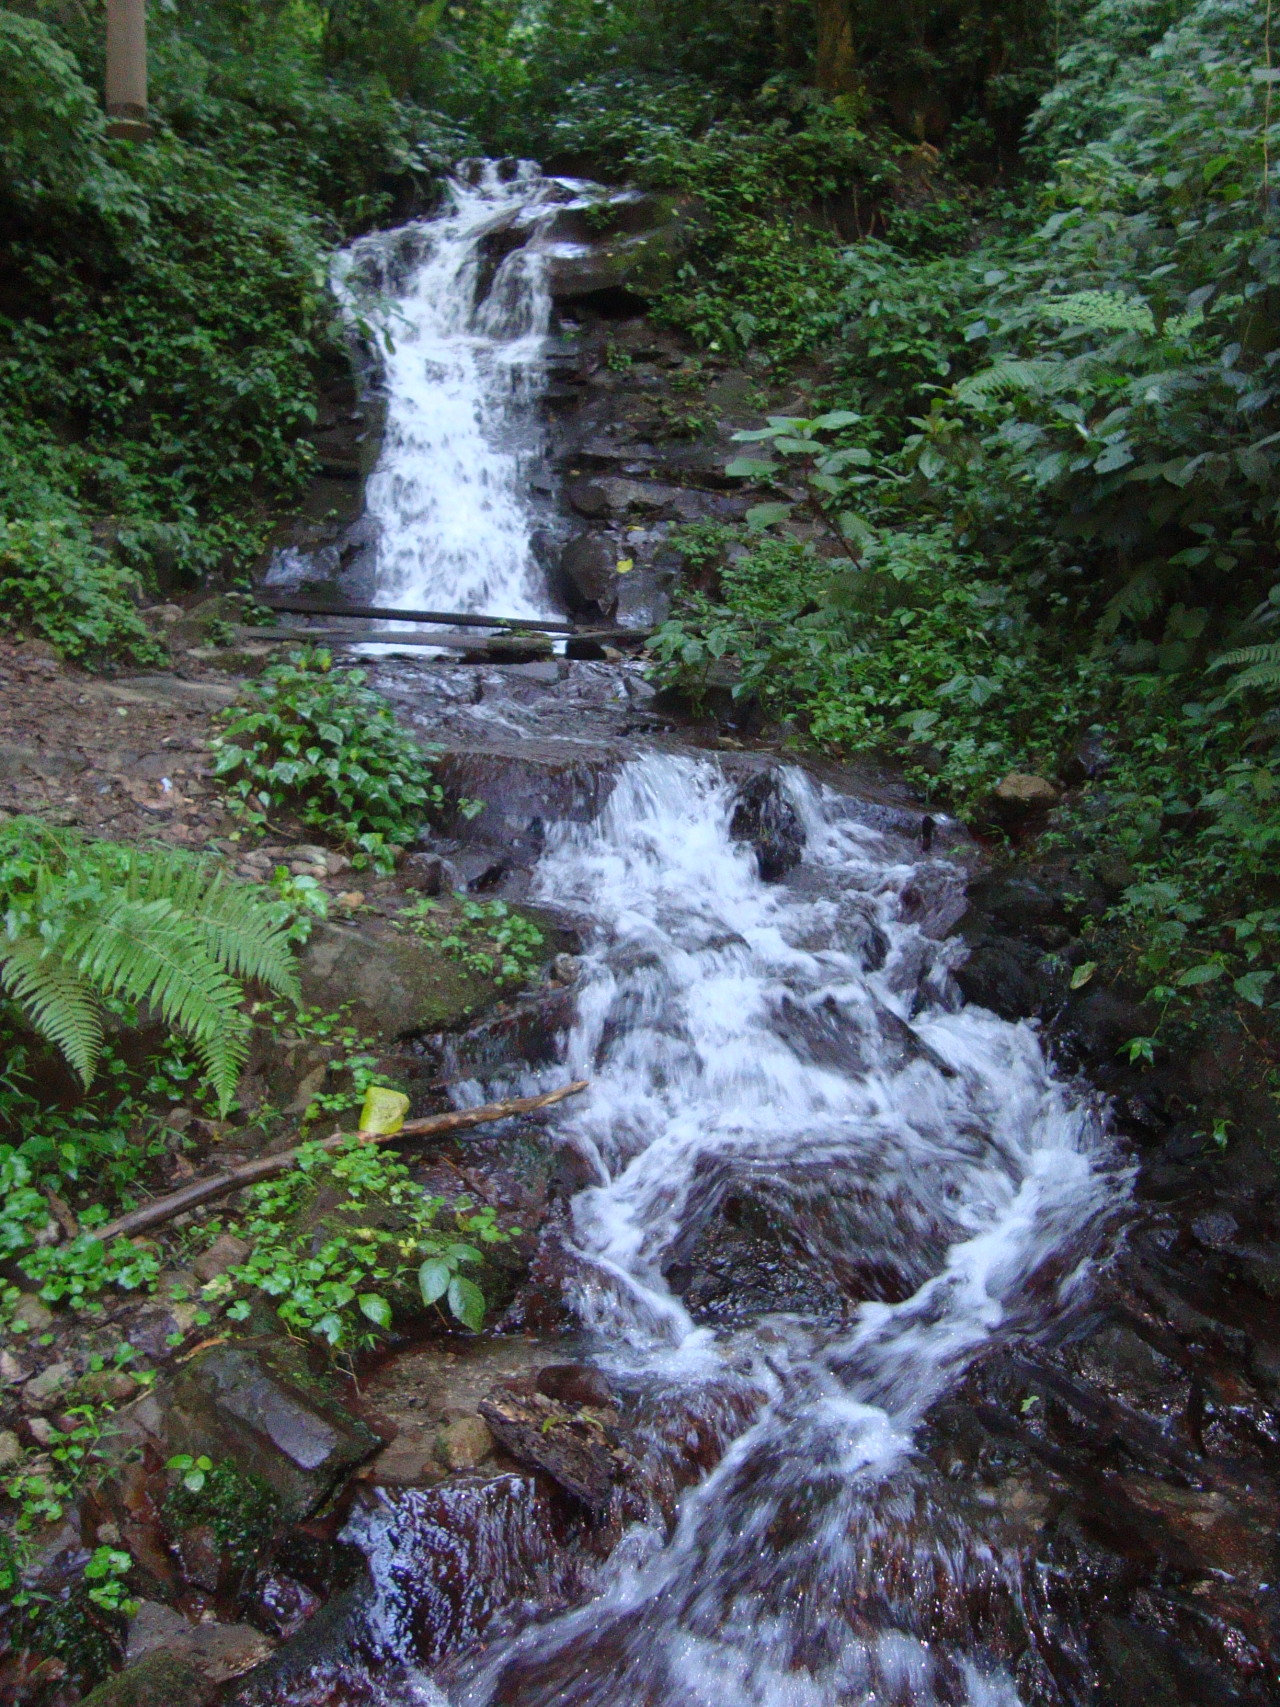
(159, 1680)
(396, 984)
(1101, 1021)
(634, 264)
(34, 1312)
(239, 1402)
(44, 1389)
(109, 1385)
(1007, 976)
(284, 1604)
(466, 1443)
(1020, 796)
(220, 1652)
(154, 1625)
(428, 873)
(573, 1448)
(10, 1449)
(226, 1252)
(589, 574)
(410, 1461)
(765, 818)
(575, 1384)
(529, 1033)
(1138, 1665)
(199, 1556)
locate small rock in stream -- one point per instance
(764, 817)
(575, 1450)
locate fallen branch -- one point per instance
(264, 1167)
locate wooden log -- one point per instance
(266, 1167)
(298, 604)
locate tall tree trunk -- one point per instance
(837, 66)
(127, 68)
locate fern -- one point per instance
(1009, 377)
(1262, 669)
(92, 923)
(1109, 311)
(1104, 310)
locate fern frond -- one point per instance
(1264, 676)
(1138, 599)
(1104, 310)
(59, 1001)
(91, 920)
(1262, 671)
(1268, 652)
(232, 919)
(149, 952)
(1007, 378)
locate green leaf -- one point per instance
(1082, 974)
(749, 468)
(1252, 987)
(1207, 972)
(834, 420)
(767, 515)
(467, 1302)
(433, 1278)
(376, 1308)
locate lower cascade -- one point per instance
(796, 1051)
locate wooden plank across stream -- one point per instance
(445, 642)
(298, 604)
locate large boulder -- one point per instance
(632, 243)
(242, 1402)
(397, 985)
(159, 1680)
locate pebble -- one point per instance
(465, 1443)
(44, 1388)
(225, 1252)
(34, 1312)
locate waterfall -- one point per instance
(459, 306)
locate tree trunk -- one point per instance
(837, 62)
(127, 69)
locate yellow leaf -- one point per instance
(625, 563)
(383, 1112)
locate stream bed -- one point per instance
(815, 1193)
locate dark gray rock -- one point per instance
(241, 1402)
(765, 817)
(589, 575)
(1007, 976)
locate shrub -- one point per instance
(318, 741)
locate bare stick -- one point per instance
(264, 1167)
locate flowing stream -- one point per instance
(796, 1047)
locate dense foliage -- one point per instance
(1049, 498)
(317, 740)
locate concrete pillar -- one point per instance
(127, 69)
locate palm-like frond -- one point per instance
(1010, 377)
(58, 999)
(1105, 310)
(88, 921)
(1262, 667)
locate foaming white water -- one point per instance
(462, 367)
(798, 1047)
